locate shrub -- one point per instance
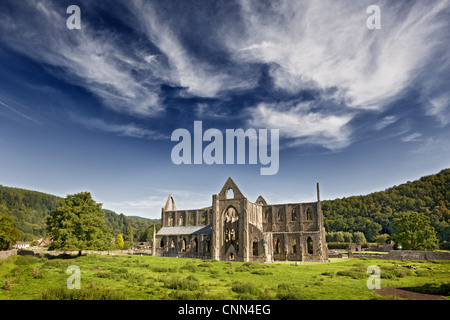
(122, 270)
(105, 275)
(35, 273)
(81, 294)
(286, 291)
(244, 287)
(187, 295)
(190, 266)
(205, 265)
(26, 260)
(261, 272)
(180, 284)
(7, 285)
(354, 273)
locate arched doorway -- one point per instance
(255, 247)
(231, 229)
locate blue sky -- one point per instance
(358, 110)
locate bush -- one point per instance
(205, 265)
(7, 285)
(35, 273)
(187, 295)
(177, 283)
(26, 260)
(122, 270)
(81, 294)
(105, 275)
(190, 266)
(244, 287)
(286, 291)
(261, 272)
(354, 273)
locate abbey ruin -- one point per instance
(234, 228)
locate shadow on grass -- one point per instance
(63, 256)
(442, 289)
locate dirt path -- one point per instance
(407, 295)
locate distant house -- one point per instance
(45, 243)
(142, 245)
(21, 245)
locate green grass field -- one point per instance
(153, 278)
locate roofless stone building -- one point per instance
(234, 228)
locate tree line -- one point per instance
(375, 214)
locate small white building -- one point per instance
(21, 245)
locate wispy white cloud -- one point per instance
(385, 122)
(201, 79)
(303, 125)
(412, 137)
(439, 107)
(326, 44)
(17, 111)
(126, 130)
(151, 206)
(94, 59)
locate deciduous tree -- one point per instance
(78, 224)
(414, 231)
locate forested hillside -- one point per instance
(30, 210)
(373, 214)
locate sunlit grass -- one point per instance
(155, 278)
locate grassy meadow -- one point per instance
(134, 277)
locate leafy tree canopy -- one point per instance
(8, 234)
(414, 231)
(78, 224)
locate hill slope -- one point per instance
(373, 214)
(30, 210)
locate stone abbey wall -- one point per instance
(234, 228)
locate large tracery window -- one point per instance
(230, 227)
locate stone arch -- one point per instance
(167, 206)
(309, 245)
(261, 201)
(182, 219)
(294, 249)
(195, 244)
(183, 245)
(267, 214)
(277, 245)
(230, 185)
(230, 193)
(309, 214)
(294, 215)
(280, 214)
(161, 243)
(255, 250)
(204, 218)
